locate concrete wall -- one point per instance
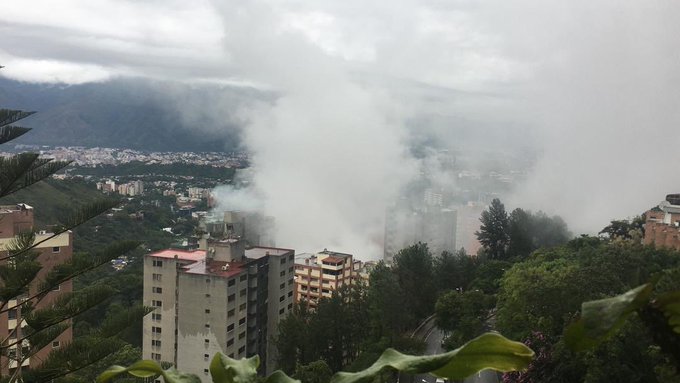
(222, 329)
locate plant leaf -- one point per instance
(279, 376)
(147, 369)
(227, 370)
(488, 351)
(669, 304)
(600, 318)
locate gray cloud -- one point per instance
(591, 85)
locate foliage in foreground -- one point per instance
(488, 351)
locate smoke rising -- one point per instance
(328, 153)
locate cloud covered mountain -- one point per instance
(137, 114)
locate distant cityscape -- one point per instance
(91, 157)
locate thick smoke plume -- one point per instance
(328, 153)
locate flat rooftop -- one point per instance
(217, 268)
(258, 252)
(185, 255)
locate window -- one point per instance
(155, 343)
(230, 342)
(207, 311)
(242, 307)
(155, 356)
(230, 313)
(290, 281)
(282, 311)
(206, 356)
(290, 306)
(157, 290)
(155, 317)
(243, 277)
(207, 295)
(12, 314)
(207, 280)
(56, 249)
(283, 273)
(282, 298)
(242, 335)
(283, 261)
(283, 285)
(157, 263)
(231, 355)
(231, 298)
(205, 371)
(206, 341)
(230, 327)
(157, 277)
(207, 325)
(243, 293)
(242, 349)
(157, 303)
(231, 282)
(56, 344)
(241, 321)
(156, 330)
(290, 293)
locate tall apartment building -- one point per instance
(14, 220)
(318, 275)
(405, 226)
(225, 298)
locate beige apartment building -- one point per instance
(318, 275)
(223, 299)
(15, 219)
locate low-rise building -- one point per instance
(662, 224)
(52, 250)
(318, 275)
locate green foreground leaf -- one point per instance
(600, 318)
(669, 304)
(148, 369)
(488, 351)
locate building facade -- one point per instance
(318, 275)
(662, 223)
(16, 219)
(224, 298)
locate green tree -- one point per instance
(454, 271)
(315, 372)
(23, 280)
(463, 315)
(386, 312)
(414, 269)
(493, 233)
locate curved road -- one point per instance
(433, 345)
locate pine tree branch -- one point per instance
(77, 218)
(25, 169)
(8, 133)
(10, 116)
(79, 265)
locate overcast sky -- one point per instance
(593, 85)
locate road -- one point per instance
(433, 345)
